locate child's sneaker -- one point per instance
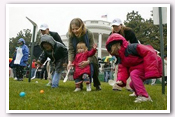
(77, 89)
(140, 99)
(133, 94)
(88, 87)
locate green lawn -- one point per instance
(63, 98)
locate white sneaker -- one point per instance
(133, 94)
(77, 89)
(88, 87)
(140, 99)
(15, 78)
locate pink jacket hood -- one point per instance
(117, 37)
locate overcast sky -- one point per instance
(58, 16)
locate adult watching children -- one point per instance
(79, 33)
(44, 28)
(129, 35)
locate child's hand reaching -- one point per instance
(95, 46)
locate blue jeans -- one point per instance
(33, 72)
(107, 75)
(55, 79)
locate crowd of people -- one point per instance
(135, 62)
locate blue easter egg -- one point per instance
(22, 94)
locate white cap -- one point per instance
(116, 22)
(44, 27)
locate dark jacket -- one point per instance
(58, 54)
(129, 36)
(37, 50)
(56, 37)
(107, 67)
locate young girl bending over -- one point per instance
(82, 74)
(138, 61)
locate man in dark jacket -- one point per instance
(44, 28)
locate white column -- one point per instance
(99, 44)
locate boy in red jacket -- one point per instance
(138, 61)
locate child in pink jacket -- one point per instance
(82, 74)
(138, 61)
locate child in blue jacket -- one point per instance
(21, 58)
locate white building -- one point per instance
(100, 30)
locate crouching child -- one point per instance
(138, 61)
(58, 55)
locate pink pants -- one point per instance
(136, 83)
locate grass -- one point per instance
(63, 98)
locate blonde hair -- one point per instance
(79, 23)
(82, 45)
(116, 45)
